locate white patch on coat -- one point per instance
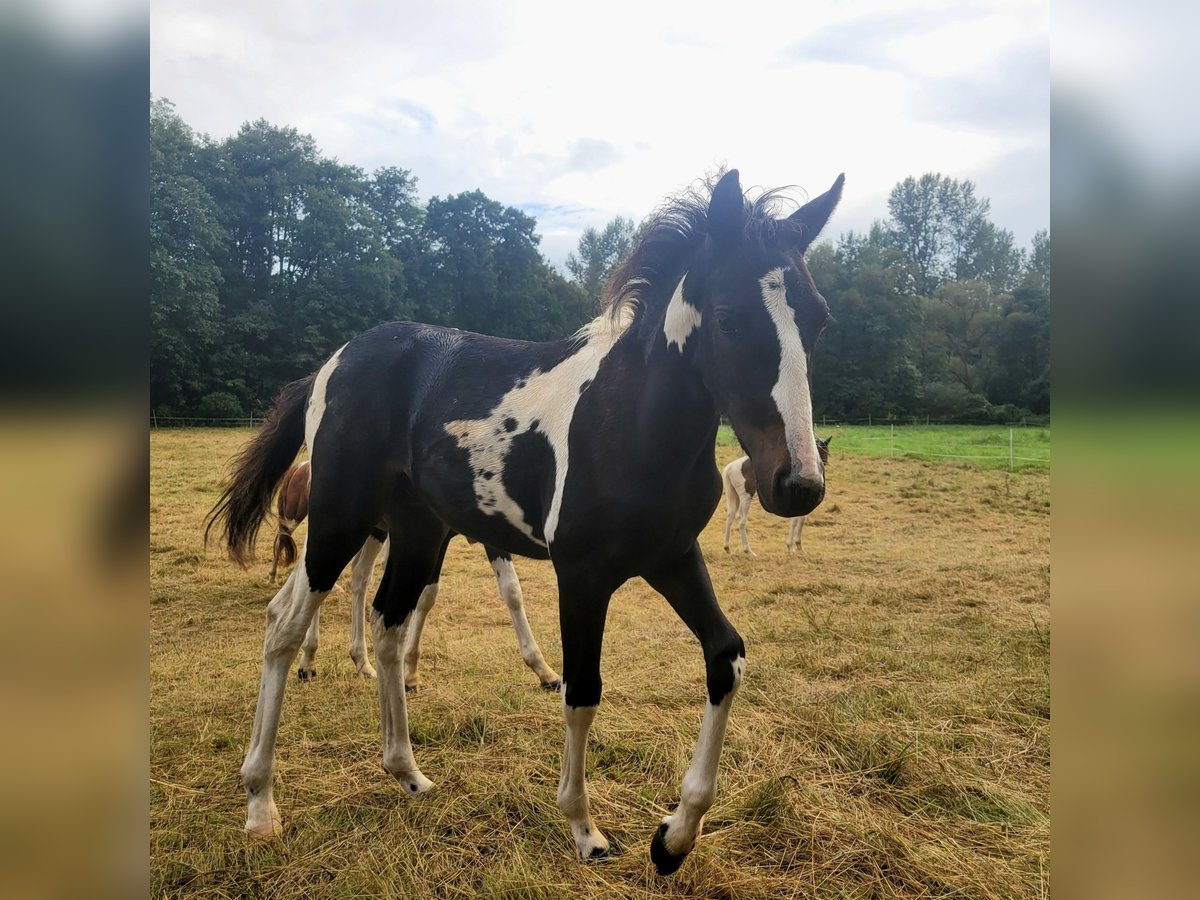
(681, 320)
(547, 398)
(316, 402)
(791, 394)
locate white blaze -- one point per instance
(791, 394)
(682, 319)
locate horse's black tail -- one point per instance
(257, 471)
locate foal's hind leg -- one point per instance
(288, 616)
(510, 592)
(795, 530)
(415, 555)
(743, 514)
(307, 670)
(361, 570)
(687, 587)
(416, 628)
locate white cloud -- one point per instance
(584, 113)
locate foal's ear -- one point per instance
(726, 211)
(809, 219)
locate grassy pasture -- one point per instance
(891, 738)
(969, 445)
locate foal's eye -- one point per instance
(726, 322)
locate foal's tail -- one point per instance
(246, 499)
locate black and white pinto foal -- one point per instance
(596, 452)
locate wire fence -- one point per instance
(982, 443)
(994, 445)
(253, 420)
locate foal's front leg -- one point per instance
(687, 587)
(361, 570)
(582, 609)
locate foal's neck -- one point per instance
(676, 414)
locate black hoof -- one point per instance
(600, 853)
(555, 685)
(305, 675)
(411, 688)
(664, 860)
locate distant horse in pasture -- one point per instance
(292, 508)
(596, 452)
(740, 488)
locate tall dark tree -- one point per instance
(863, 364)
(267, 255)
(307, 264)
(483, 272)
(184, 278)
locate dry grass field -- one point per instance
(891, 738)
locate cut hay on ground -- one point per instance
(891, 738)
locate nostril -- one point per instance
(782, 481)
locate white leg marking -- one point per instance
(572, 784)
(362, 569)
(700, 783)
(510, 593)
(791, 394)
(412, 646)
(547, 399)
(398, 757)
(681, 320)
(287, 620)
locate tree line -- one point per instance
(266, 255)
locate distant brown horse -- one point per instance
(292, 506)
(740, 488)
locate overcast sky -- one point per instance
(579, 112)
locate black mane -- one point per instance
(674, 233)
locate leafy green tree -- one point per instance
(992, 257)
(308, 263)
(482, 271)
(599, 253)
(864, 363)
(185, 236)
(935, 222)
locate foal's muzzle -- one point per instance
(794, 495)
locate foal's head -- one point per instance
(760, 316)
